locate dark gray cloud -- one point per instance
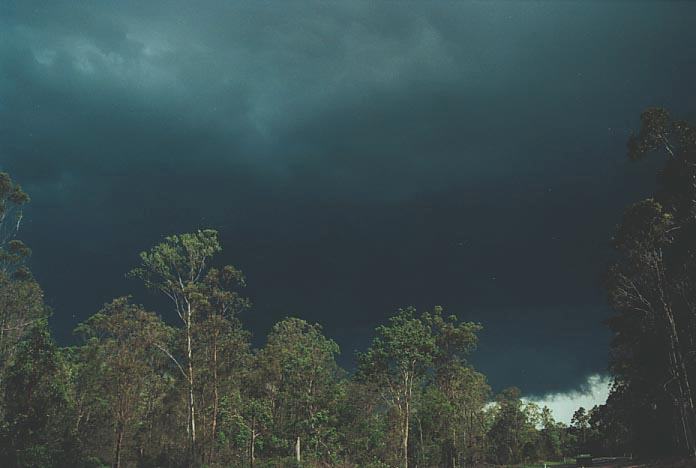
(355, 156)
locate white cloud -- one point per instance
(594, 392)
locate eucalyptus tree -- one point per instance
(246, 422)
(397, 360)
(363, 427)
(21, 298)
(21, 306)
(512, 430)
(609, 430)
(179, 268)
(221, 345)
(121, 342)
(464, 390)
(413, 351)
(451, 418)
(302, 379)
(553, 437)
(38, 426)
(580, 426)
(222, 354)
(12, 201)
(395, 364)
(652, 284)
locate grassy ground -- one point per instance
(670, 463)
(542, 464)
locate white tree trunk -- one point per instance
(192, 406)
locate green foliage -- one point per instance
(512, 437)
(120, 364)
(178, 262)
(302, 382)
(38, 415)
(405, 345)
(417, 366)
(221, 357)
(21, 305)
(204, 301)
(362, 426)
(554, 439)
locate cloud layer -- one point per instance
(355, 156)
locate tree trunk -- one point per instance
(252, 449)
(686, 402)
(215, 401)
(192, 408)
(298, 454)
(408, 391)
(420, 436)
(118, 443)
(404, 441)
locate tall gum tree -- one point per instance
(21, 298)
(407, 350)
(652, 285)
(221, 342)
(395, 363)
(179, 268)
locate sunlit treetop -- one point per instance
(12, 251)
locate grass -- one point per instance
(541, 464)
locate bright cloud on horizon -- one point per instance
(594, 392)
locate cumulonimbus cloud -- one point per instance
(563, 404)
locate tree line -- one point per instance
(190, 390)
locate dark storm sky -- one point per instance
(355, 157)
